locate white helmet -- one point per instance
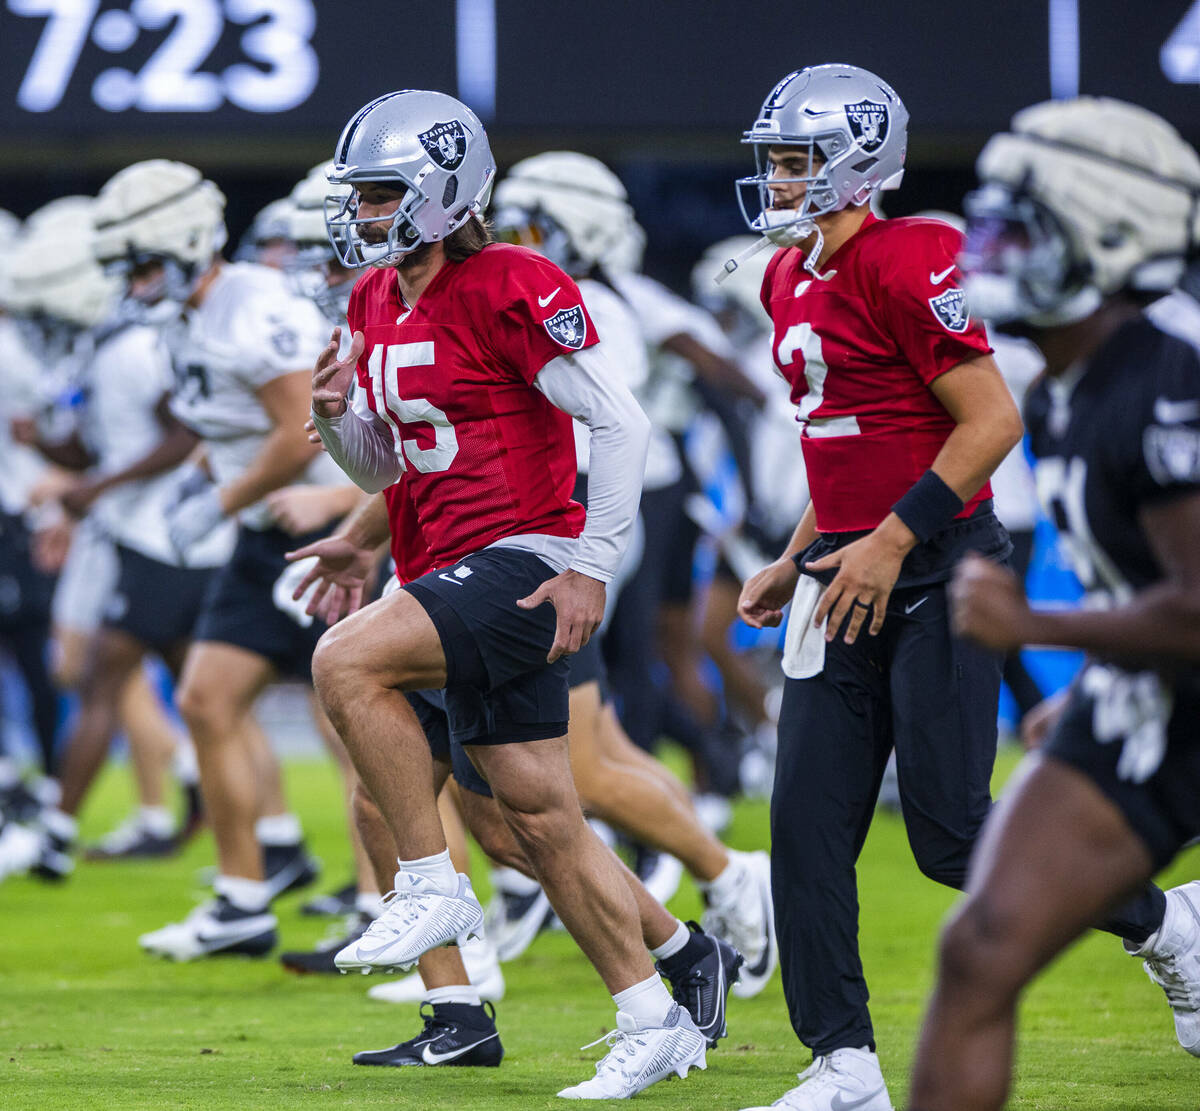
(316, 262)
(629, 250)
(10, 232)
(271, 225)
(843, 116)
(52, 272)
(161, 210)
(1082, 199)
(569, 205)
(741, 288)
(427, 144)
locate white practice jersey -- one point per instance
(622, 343)
(1013, 487)
(250, 329)
(128, 376)
(20, 466)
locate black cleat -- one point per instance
(700, 975)
(288, 868)
(336, 904)
(454, 1034)
(320, 959)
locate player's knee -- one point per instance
(538, 833)
(978, 951)
(329, 666)
(205, 709)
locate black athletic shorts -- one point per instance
(499, 688)
(156, 603)
(25, 592)
(1157, 789)
(240, 608)
(430, 707)
(587, 665)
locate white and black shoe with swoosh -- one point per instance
(640, 1056)
(416, 917)
(746, 919)
(844, 1080)
(216, 927)
(460, 1034)
(700, 976)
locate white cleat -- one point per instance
(483, 970)
(519, 910)
(746, 919)
(214, 927)
(1172, 960)
(639, 1058)
(844, 1080)
(416, 917)
(20, 849)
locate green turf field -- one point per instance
(87, 1021)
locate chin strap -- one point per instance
(810, 263)
(732, 264)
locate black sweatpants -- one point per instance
(934, 697)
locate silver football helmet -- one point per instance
(267, 240)
(1080, 200)
(315, 270)
(854, 129)
(427, 144)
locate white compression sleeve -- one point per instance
(362, 445)
(586, 387)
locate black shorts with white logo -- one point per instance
(499, 687)
(1157, 790)
(430, 707)
(240, 607)
(156, 603)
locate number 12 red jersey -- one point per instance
(860, 346)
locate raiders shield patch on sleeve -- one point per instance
(950, 308)
(568, 327)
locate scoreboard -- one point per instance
(146, 68)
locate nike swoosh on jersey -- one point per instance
(915, 605)
(431, 1058)
(937, 279)
(544, 301)
(841, 1103)
(1173, 412)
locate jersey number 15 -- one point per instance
(384, 364)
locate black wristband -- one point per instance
(928, 507)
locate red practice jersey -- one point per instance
(487, 456)
(860, 346)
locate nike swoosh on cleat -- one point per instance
(369, 955)
(841, 1103)
(431, 1058)
(937, 279)
(544, 301)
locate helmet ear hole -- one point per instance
(450, 192)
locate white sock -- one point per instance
(647, 1003)
(248, 895)
(278, 829)
(187, 771)
(724, 887)
(59, 825)
(156, 820)
(674, 943)
(455, 993)
(369, 903)
(437, 869)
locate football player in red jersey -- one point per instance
(903, 417)
(1114, 427)
(471, 358)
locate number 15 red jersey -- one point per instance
(860, 346)
(487, 456)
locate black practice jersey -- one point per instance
(1110, 437)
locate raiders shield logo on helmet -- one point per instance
(568, 327)
(951, 310)
(868, 123)
(446, 144)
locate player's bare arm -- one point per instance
(766, 593)
(285, 452)
(987, 426)
(177, 444)
(344, 561)
(301, 509)
(1157, 625)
